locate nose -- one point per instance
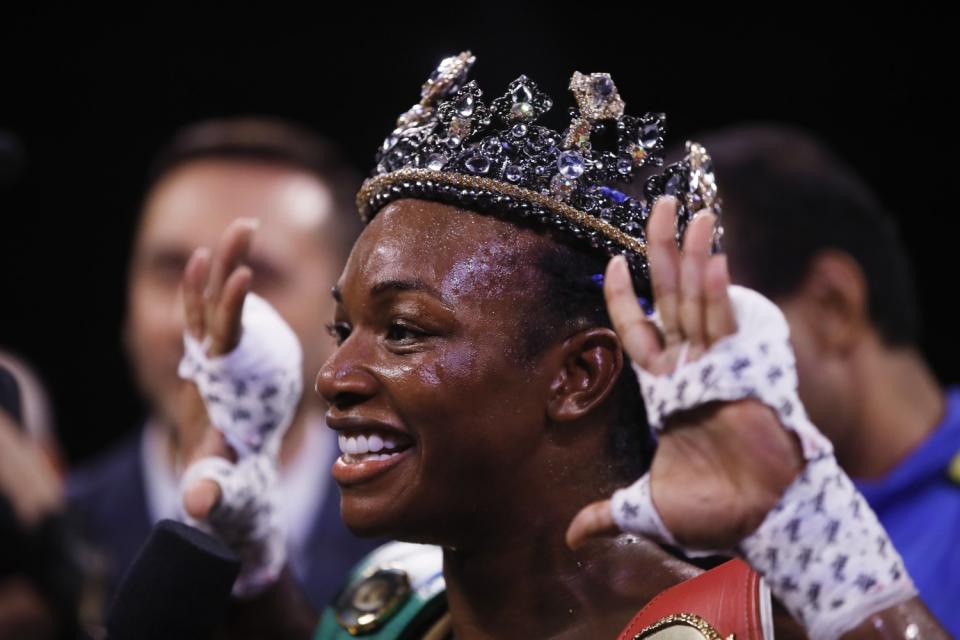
(343, 381)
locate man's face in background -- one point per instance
(294, 260)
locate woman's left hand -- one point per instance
(721, 467)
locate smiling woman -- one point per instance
(484, 402)
(440, 319)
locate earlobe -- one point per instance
(590, 364)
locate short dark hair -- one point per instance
(272, 141)
(570, 300)
(787, 197)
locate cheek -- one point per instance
(468, 408)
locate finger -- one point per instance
(194, 278)
(232, 249)
(201, 497)
(664, 258)
(593, 520)
(638, 335)
(720, 319)
(226, 326)
(696, 252)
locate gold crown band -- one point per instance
(372, 186)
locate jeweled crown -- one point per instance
(453, 147)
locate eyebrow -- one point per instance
(397, 285)
(407, 285)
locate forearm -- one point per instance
(907, 620)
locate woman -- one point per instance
(479, 391)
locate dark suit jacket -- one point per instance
(107, 501)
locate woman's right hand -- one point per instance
(215, 285)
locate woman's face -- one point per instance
(435, 401)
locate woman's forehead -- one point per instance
(457, 251)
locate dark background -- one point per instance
(90, 98)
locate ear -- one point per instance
(590, 364)
(835, 300)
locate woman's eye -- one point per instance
(340, 331)
(400, 332)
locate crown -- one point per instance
(453, 147)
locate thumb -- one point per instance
(201, 496)
(595, 519)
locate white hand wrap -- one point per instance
(821, 549)
(251, 395)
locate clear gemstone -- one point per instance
(389, 142)
(571, 164)
(452, 142)
(435, 161)
(519, 130)
(603, 86)
(478, 164)
(602, 90)
(513, 173)
(624, 165)
(649, 135)
(465, 106)
(491, 146)
(521, 93)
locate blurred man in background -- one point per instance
(302, 195)
(805, 230)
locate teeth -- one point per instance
(364, 457)
(367, 445)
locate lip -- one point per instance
(357, 473)
(352, 424)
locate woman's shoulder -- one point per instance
(398, 592)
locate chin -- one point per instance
(369, 516)
(386, 517)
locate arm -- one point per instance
(733, 468)
(215, 292)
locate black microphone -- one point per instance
(177, 587)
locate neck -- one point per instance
(899, 404)
(526, 583)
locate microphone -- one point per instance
(177, 587)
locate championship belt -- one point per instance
(728, 602)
